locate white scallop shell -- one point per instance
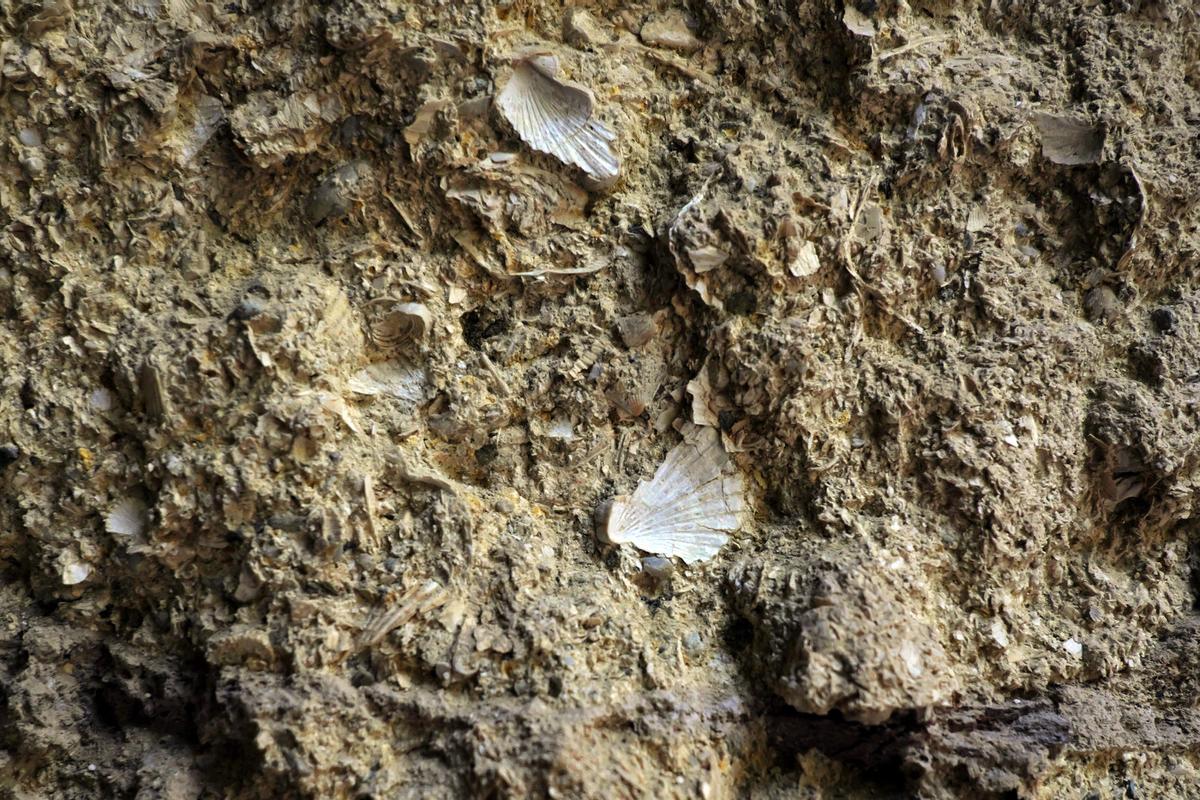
(688, 509)
(127, 517)
(558, 118)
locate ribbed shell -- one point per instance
(404, 324)
(127, 517)
(558, 118)
(695, 499)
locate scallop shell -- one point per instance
(688, 509)
(127, 517)
(556, 117)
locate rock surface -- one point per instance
(315, 373)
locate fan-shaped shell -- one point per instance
(558, 118)
(127, 517)
(688, 509)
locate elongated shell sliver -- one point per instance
(688, 509)
(556, 117)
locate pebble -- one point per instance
(1164, 320)
(249, 308)
(8, 454)
(657, 567)
(693, 642)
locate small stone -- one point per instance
(1101, 304)
(657, 567)
(672, 31)
(249, 308)
(34, 163)
(693, 642)
(504, 505)
(334, 195)
(580, 29)
(1073, 647)
(1164, 320)
(8, 454)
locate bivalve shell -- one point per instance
(556, 117)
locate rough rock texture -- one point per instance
(314, 374)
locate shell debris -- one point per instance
(688, 509)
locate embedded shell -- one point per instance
(127, 517)
(557, 117)
(404, 324)
(688, 509)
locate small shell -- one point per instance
(127, 517)
(695, 499)
(74, 570)
(558, 118)
(404, 324)
(394, 378)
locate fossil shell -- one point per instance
(695, 499)
(558, 118)
(73, 569)
(127, 517)
(405, 323)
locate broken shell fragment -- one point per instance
(806, 262)
(672, 32)
(688, 509)
(394, 378)
(707, 257)
(154, 393)
(556, 117)
(1069, 141)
